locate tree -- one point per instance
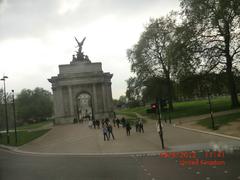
(123, 99)
(150, 57)
(154, 87)
(34, 104)
(216, 25)
(133, 92)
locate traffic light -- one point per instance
(154, 107)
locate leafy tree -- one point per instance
(123, 99)
(150, 56)
(155, 87)
(216, 27)
(133, 92)
(198, 85)
(34, 104)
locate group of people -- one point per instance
(118, 122)
(94, 124)
(107, 128)
(107, 131)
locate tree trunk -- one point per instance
(231, 84)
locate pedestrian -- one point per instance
(141, 125)
(110, 131)
(90, 123)
(98, 123)
(128, 128)
(123, 122)
(106, 121)
(137, 126)
(158, 127)
(94, 124)
(118, 122)
(114, 122)
(105, 133)
(102, 123)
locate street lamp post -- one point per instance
(5, 102)
(14, 117)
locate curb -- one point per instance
(144, 153)
(9, 148)
(181, 148)
(210, 133)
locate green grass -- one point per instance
(34, 126)
(220, 120)
(130, 112)
(184, 109)
(23, 137)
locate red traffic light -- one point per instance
(154, 106)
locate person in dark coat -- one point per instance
(110, 131)
(102, 122)
(98, 123)
(118, 122)
(123, 122)
(137, 126)
(128, 128)
(141, 126)
(94, 124)
(107, 121)
(114, 122)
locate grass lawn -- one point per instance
(35, 125)
(220, 120)
(130, 112)
(184, 109)
(23, 137)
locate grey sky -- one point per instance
(37, 35)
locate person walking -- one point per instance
(137, 126)
(107, 121)
(114, 122)
(128, 128)
(118, 122)
(141, 125)
(105, 133)
(90, 124)
(110, 131)
(94, 124)
(158, 127)
(102, 123)
(98, 123)
(123, 122)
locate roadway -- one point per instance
(23, 166)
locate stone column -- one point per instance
(59, 102)
(70, 100)
(104, 97)
(110, 97)
(95, 98)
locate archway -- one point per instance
(84, 107)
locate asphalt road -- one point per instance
(16, 166)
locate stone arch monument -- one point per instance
(81, 90)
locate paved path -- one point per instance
(78, 138)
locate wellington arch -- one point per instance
(81, 89)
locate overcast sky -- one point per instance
(38, 35)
